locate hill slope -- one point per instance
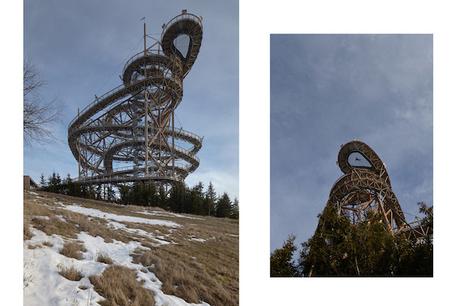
(86, 252)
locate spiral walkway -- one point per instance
(128, 134)
(365, 186)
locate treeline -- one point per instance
(180, 198)
(339, 248)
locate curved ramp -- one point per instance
(365, 186)
(128, 134)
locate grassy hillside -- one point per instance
(86, 252)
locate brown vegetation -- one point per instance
(73, 250)
(196, 272)
(119, 287)
(27, 233)
(70, 273)
(104, 259)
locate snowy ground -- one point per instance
(43, 285)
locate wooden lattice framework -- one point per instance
(365, 188)
(129, 134)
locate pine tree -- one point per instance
(223, 206)
(210, 199)
(281, 260)
(235, 214)
(339, 248)
(110, 193)
(42, 181)
(197, 200)
(177, 197)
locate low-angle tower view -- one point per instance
(343, 103)
(364, 186)
(129, 133)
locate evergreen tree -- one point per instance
(235, 214)
(162, 199)
(281, 260)
(197, 200)
(42, 181)
(177, 197)
(224, 206)
(210, 199)
(110, 193)
(339, 248)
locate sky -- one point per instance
(80, 47)
(326, 90)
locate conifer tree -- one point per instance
(42, 181)
(223, 206)
(210, 199)
(235, 214)
(339, 248)
(282, 261)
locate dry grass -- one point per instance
(70, 273)
(55, 226)
(104, 259)
(120, 288)
(95, 227)
(27, 233)
(196, 272)
(34, 246)
(192, 270)
(70, 227)
(73, 250)
(48, 244)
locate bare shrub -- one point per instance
(55, 226)
(119, 287)
(104, 259)
(70, 273)
(37, 115)
(48, 244)
(27, 233)
(73, 250)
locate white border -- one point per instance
(11, 230)
(257, 21)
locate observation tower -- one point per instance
(128, 134)
(365, 188)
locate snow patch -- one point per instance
(167, 214)
(41, 217)
(160, 240)
(120, 218)
(120, 252)
(43, 285)
(197, 239)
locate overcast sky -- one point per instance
(329, 89)
(79, 48)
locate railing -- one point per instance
(96, 100)
(116, 172)
(189, 134)
(141, 54)
(184, 15)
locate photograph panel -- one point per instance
(349, 113)
(131, 153)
